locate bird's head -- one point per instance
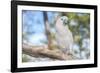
(64, 19)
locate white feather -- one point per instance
(64, 36)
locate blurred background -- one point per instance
(34, 31)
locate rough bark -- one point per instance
(47, 29)
(37, 51)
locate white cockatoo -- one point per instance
(64, 36)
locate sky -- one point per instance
(33, 23)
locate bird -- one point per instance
(64, 37)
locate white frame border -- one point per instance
(53, 63)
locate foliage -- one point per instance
(79, 24)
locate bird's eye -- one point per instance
(61, 18)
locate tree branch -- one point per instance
(37, 51)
